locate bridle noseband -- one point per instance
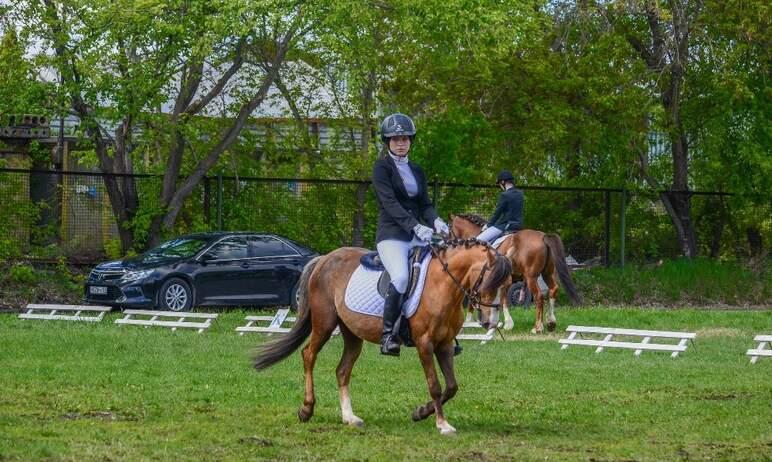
(474, 295)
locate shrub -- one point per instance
(23, 274)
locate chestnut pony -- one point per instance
(458, 268)
(532, 253)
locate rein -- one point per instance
(474, 295)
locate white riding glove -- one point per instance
(484, 228)
(423, 233)
(440, 227)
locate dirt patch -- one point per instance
(710, 396)
(109, 416)
(256, 441)
(720, 332)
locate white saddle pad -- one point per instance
(499, 240)
(362, 292)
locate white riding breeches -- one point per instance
(490, 234)
(394, 255)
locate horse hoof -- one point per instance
(551, 326)
(416, 415)
(304, 415)
(447, 430)
(354, 422)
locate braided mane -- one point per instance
(500, 270)
(473, 218)
(452, 244)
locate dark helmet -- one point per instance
(504, 175)
(397, 124)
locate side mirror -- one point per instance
(205, 257)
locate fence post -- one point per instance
(219, 201)
(434, 192)
(607, 243)
(622, 228)
(207, 202)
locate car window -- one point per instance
(302, 248)
(267, 246)
(180, 247)
(232, 248)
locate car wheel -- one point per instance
(175, 295)
(295, 298)
(514, 295)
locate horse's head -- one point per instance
(481, 270)
(466, 225)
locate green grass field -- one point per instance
(74, 391)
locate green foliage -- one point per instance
(23, 274)
(554, 91)
(21, 92)
(113, 249)
(677, 283)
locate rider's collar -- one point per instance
(398, 159)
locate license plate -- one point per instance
(98, 290)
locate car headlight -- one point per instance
(132, 276)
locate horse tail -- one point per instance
(276, 350)
(555, 246)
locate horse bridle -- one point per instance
(474, 295)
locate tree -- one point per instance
(22, 92)
(662, 36)
(122, 61)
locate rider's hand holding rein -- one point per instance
(440, 227)
(423, 233)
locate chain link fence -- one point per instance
(54, 214)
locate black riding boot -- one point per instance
(457, 349)
(391, 311)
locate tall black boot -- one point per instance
(391, 311)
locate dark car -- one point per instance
(232, 269)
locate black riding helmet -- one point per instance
(397, 124)
(504, 175)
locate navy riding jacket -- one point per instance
(508, 215)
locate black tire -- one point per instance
(175, 295)
(294, 297)
(514, 295)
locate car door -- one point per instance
(275, 265)
(225, 277)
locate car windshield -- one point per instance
(184, 247)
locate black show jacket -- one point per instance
(398, 213)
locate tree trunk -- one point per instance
(754, 240)
(357, 234)
(680, 212)
(680, 198)
(717, 228)
(358, 221)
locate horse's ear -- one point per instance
(451, 217)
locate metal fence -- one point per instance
(52, 214)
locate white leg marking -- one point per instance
(445, 427)
(509, 323)
(346, 411)
(551, 315)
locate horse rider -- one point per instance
(508, 216)
(403, 209)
